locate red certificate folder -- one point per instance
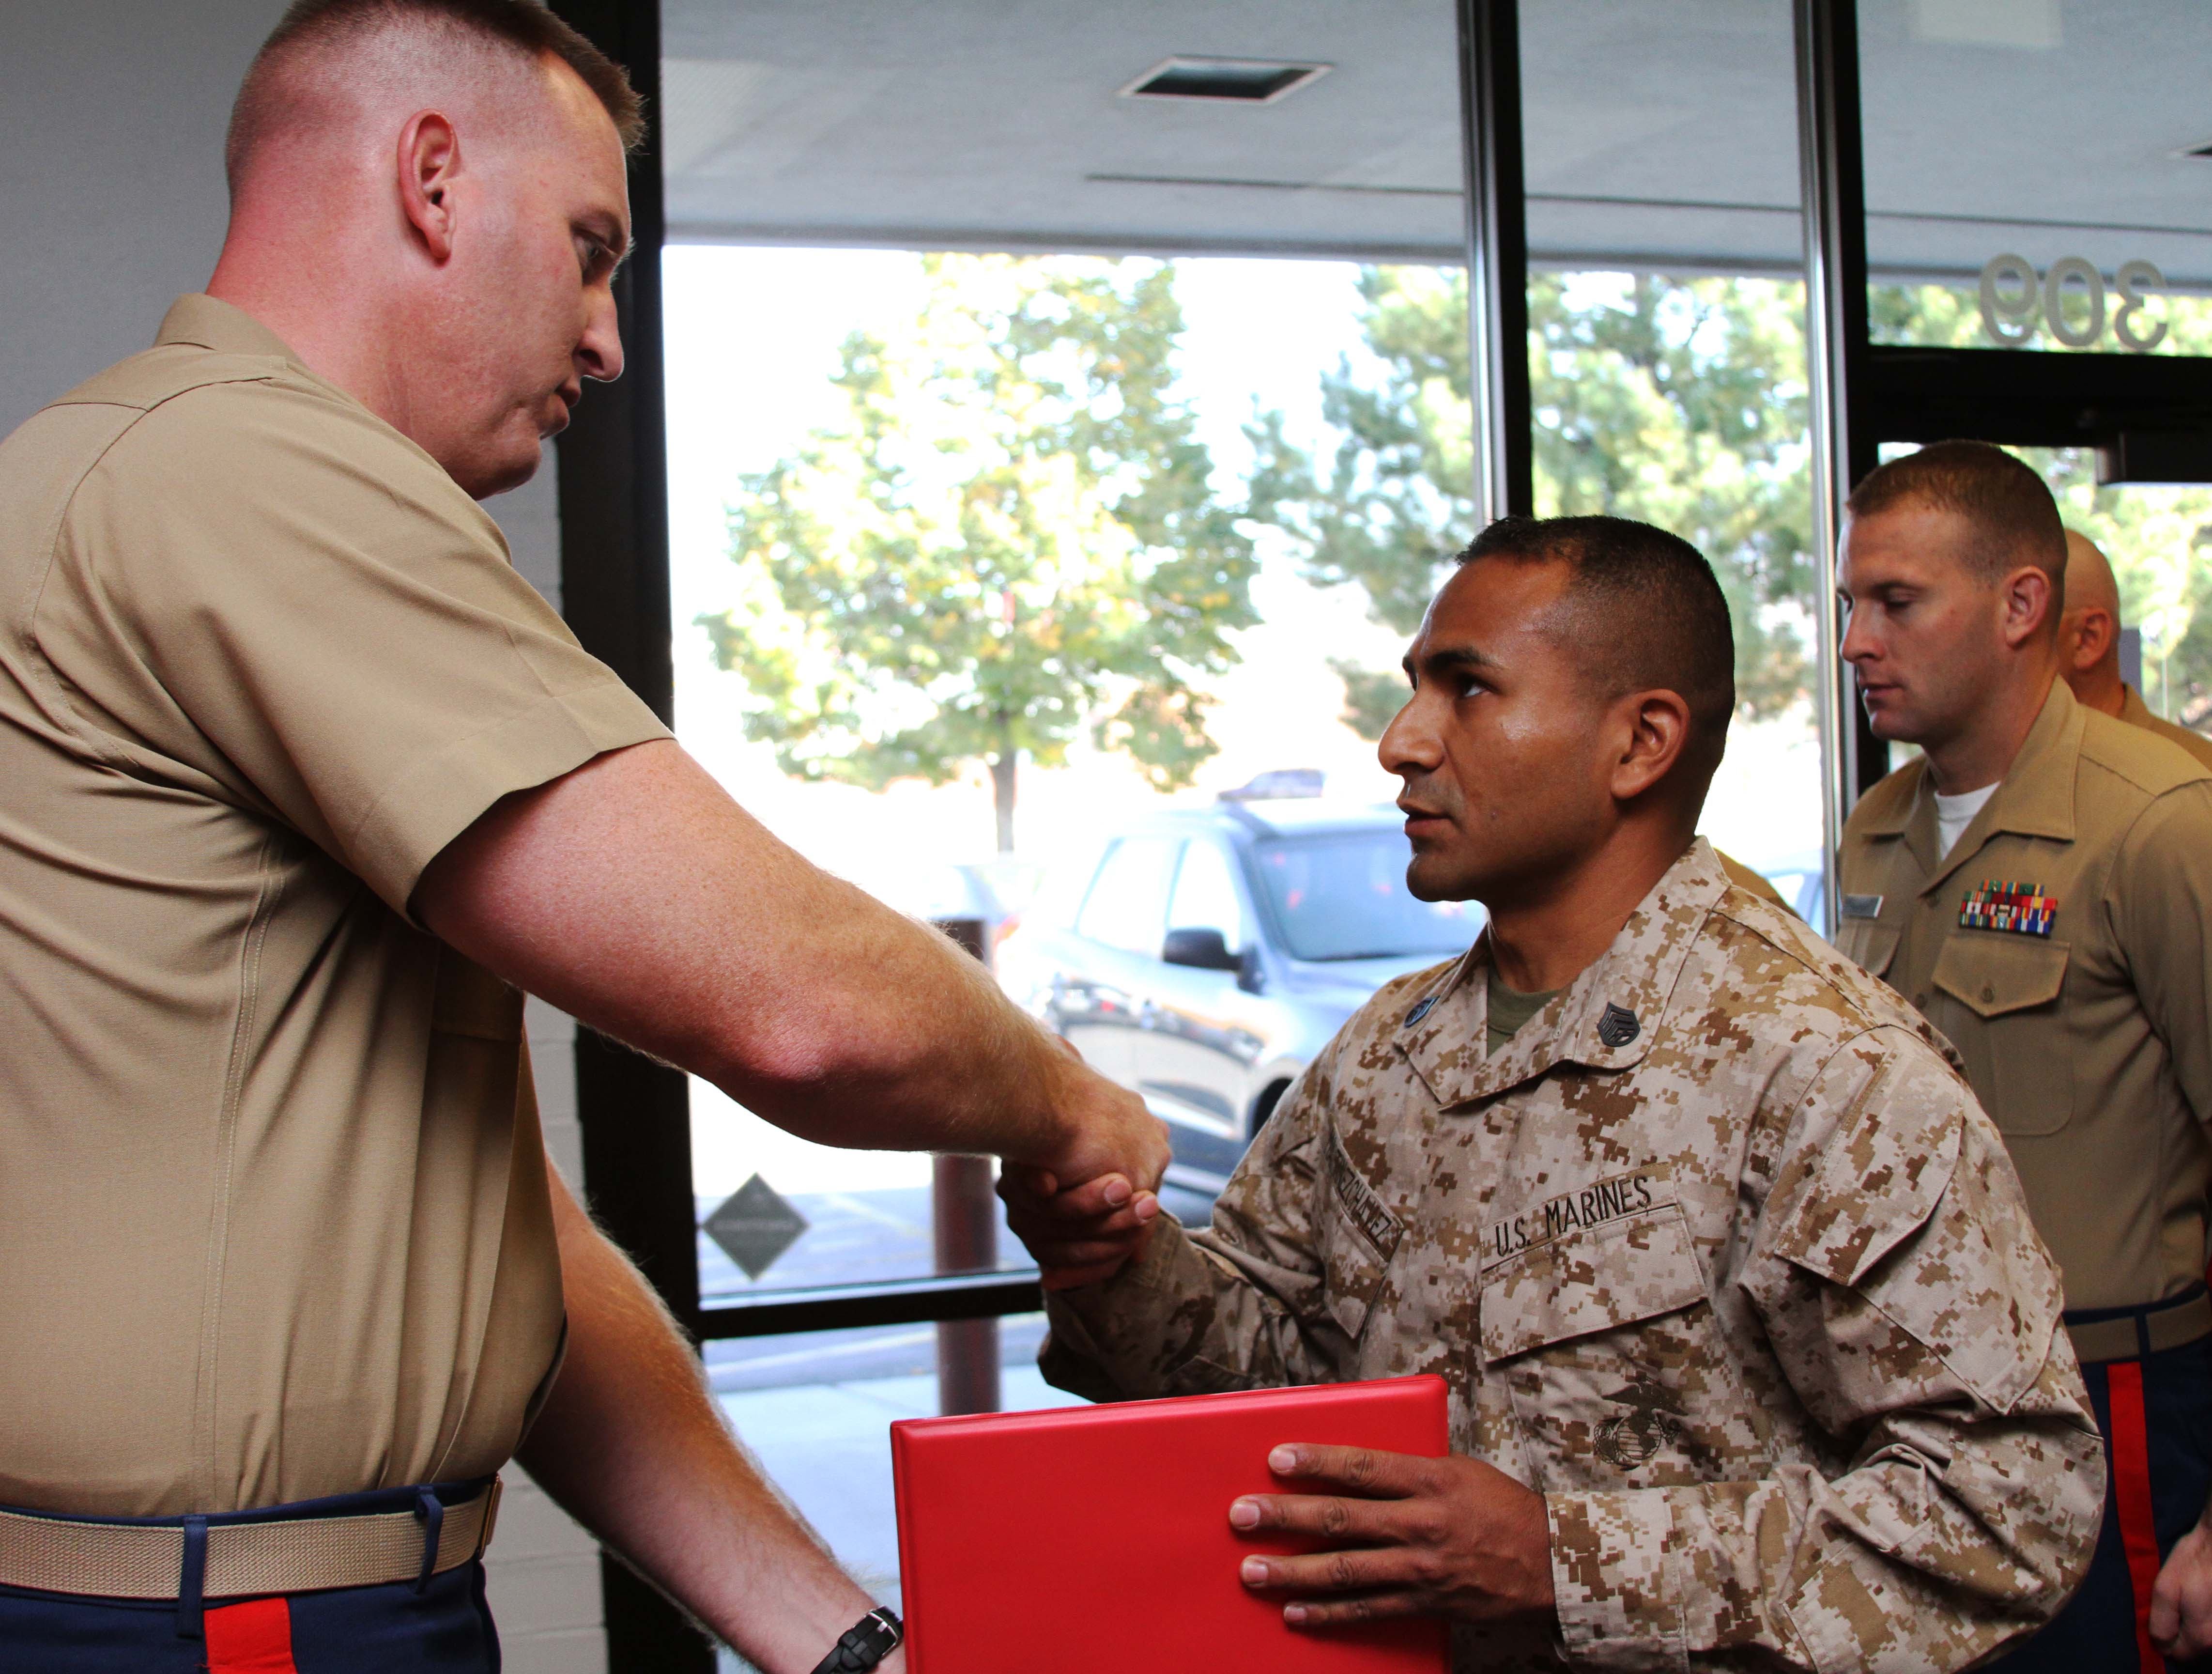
(1095, 1540)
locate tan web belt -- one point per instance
(244, 1560)
(2129, 1334)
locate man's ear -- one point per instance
(1657, 726)
(429, 162)
(2026, 598)
(2093, 637)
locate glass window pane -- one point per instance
(1128, 904)
(1667, 353)
(998, 534)
(1205, 895)
(815, 1409)
(2037, 174)
(2158, 539)
(1345, 897)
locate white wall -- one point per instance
(111, 196)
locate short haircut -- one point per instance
(522, 27)
(1647, 614)
(2008, 508)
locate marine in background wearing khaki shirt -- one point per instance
(2062, 944)
(304, 786)
(1754, 1360)
(2089, 647)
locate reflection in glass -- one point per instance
(1009, 565)
(1665, 345)
(831, 507)
(815, 1409)
(2036, 175)
(2157, 538)
(1345, 897)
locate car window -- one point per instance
(1205, 895)
(1060, 897)
(1127, 906)
(1343, 897)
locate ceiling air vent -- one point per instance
(1247, 80)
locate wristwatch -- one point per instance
(872, 1638)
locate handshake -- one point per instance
(1084, 1208)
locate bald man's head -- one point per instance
(2089, 630)
(2089, 581)
(326, 61)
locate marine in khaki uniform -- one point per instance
(1754, 1360)
(2036, 885)
(1754, 882)
(2089, 647)
(305, 789)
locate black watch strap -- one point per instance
(872, 1638)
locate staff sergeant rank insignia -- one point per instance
(1618, 1026)
(2023, 910)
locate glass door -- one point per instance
(1023, 364)
(1667, 350)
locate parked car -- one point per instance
(1209, 953)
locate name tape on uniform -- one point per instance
(1362, 1204)
(1615, 1198)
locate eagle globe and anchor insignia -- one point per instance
(1650, 1421)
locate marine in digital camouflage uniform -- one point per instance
(1755, 1361)
(1719, 1254)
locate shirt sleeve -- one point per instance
(1241, 1306)
(1917, 1318)
(263, 593)
(2160, 901)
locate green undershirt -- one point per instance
(1509, 1008)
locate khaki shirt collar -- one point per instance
(2134, 710)
(206, 323)
(1604, 1019)
(2034, 799)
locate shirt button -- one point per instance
(1989, 994)
(1920, 1002)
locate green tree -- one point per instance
(1013, 530)
(1679, 402)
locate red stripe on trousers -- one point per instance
(252, 1638)
(2131, 1497)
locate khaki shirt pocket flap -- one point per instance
(1593, 1281)
(1868, 946)
(1993, 973)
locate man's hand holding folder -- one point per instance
(1445, 1537)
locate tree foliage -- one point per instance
(1679, 402)
(1012, 531)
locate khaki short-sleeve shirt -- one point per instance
(2062, 945)
(274, 1216)
(2136, 713)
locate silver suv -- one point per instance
(1211, 953)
